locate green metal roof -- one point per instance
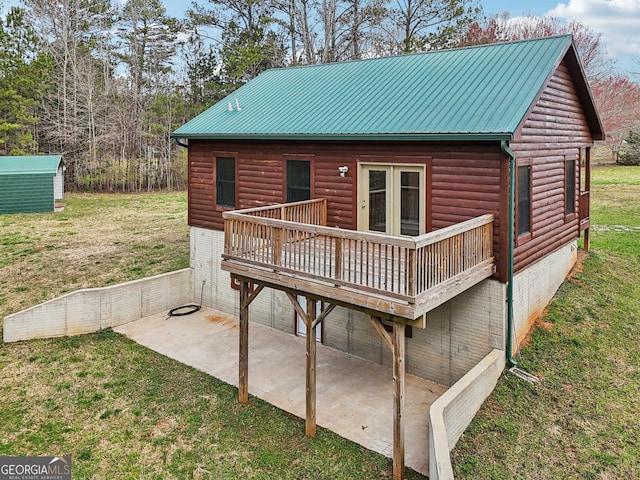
(481, 92)
(29, 164)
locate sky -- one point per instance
(617, 20)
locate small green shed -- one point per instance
(31, 183)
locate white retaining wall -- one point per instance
(450, 414)
(534, 287)
(93, 309)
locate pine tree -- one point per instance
(24, 77)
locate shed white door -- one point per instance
(301, 328)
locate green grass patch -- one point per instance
(615, 210)
(581, 420)
(155, 418)
(90, 244)
(120, 410)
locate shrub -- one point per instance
(630, 150)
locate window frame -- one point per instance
(524, 236)
(289, 161)
(216, 180)
(569, 214)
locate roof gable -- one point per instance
(11, 165)
(481, 92)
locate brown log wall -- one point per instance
(555, 130)
(463, 180)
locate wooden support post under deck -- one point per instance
(310, 420)
(398, 399)
(585, 245)
(243, 353)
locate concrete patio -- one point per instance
(354, 396)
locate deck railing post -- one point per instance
(338, 259)
(227, 236)
(323, 212)
(278, 238)
(412, 270)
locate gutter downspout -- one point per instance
(512, 225)
(177, 142)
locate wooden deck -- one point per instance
(289, 247)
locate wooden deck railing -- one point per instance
(310, 211)
(583, 210)
(293, 239)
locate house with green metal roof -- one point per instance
(30, 183)
(438, 196)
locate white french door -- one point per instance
(392, 199)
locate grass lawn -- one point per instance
(120, 410)
(583, 419)
(123, 411)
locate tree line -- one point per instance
(104, 83)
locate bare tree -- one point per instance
(147, 46)
(69, 29)
(329, 15)
(306, 30)
(618, 102)
(300, 28)
(502, 28)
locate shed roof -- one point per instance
(12, 165)
(481, 92)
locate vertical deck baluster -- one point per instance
(338, 258)
(305, 253)
(349, 255)
(300, 242)
(386, 266)
(247, 250)
(378, 262)
(366, 246)
(373, 262)
(393, 275)
(314, 253)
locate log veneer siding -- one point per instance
(554, 131)
(462, 179)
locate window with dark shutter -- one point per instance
(298, 180)
(524, 200)
(569, 187)
(226, 182)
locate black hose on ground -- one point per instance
(184, 310)
(187, 309)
